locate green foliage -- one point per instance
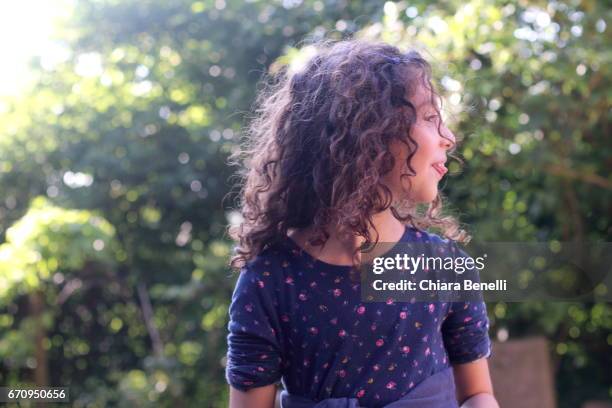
(128, 138)
(49, 240)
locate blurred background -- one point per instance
(116, 121)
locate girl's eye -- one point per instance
(432, 118)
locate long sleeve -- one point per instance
(466, 327)
(254, 354)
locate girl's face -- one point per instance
(429, 160)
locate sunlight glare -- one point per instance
(26, 27)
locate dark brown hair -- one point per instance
(319, 143)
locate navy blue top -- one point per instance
(300, 320)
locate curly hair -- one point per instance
(318, 146)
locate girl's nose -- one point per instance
(448, 138)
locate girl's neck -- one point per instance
(338, 250)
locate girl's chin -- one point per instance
(424, 198)
(431, 195)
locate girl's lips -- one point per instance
(440, 168)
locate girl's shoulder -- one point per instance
(272, 259)
(432, 242)
(260, 279)
(283, 254)
(422, 235)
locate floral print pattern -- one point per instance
(302, 321)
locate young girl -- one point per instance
(341, 153)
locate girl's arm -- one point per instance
(254, 352)
(473, 383)
(259, 397)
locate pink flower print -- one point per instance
(431, 307)
(263, 356)
(342, 333)
(334, 321)
(337, 292)
(425, 339)
(479, 323)
(260, 284)
(406, 349)
(313, 330)
(390, 301)
(261, 369)
(342, 373)
(376, 367)
(337, 280)
(325, 365)
(467, 319)
(403, 315)
(379, 342)
(391, 385)
(289, 280)
(427, 351)
(302, 296)
(361, 310)
(418, 234)
(306, 362)
(360, 393)
(313, 284)
(285, 318)
(266, 273)
(373, 327)
(323, 308)
(248, 307)
(411, 385)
